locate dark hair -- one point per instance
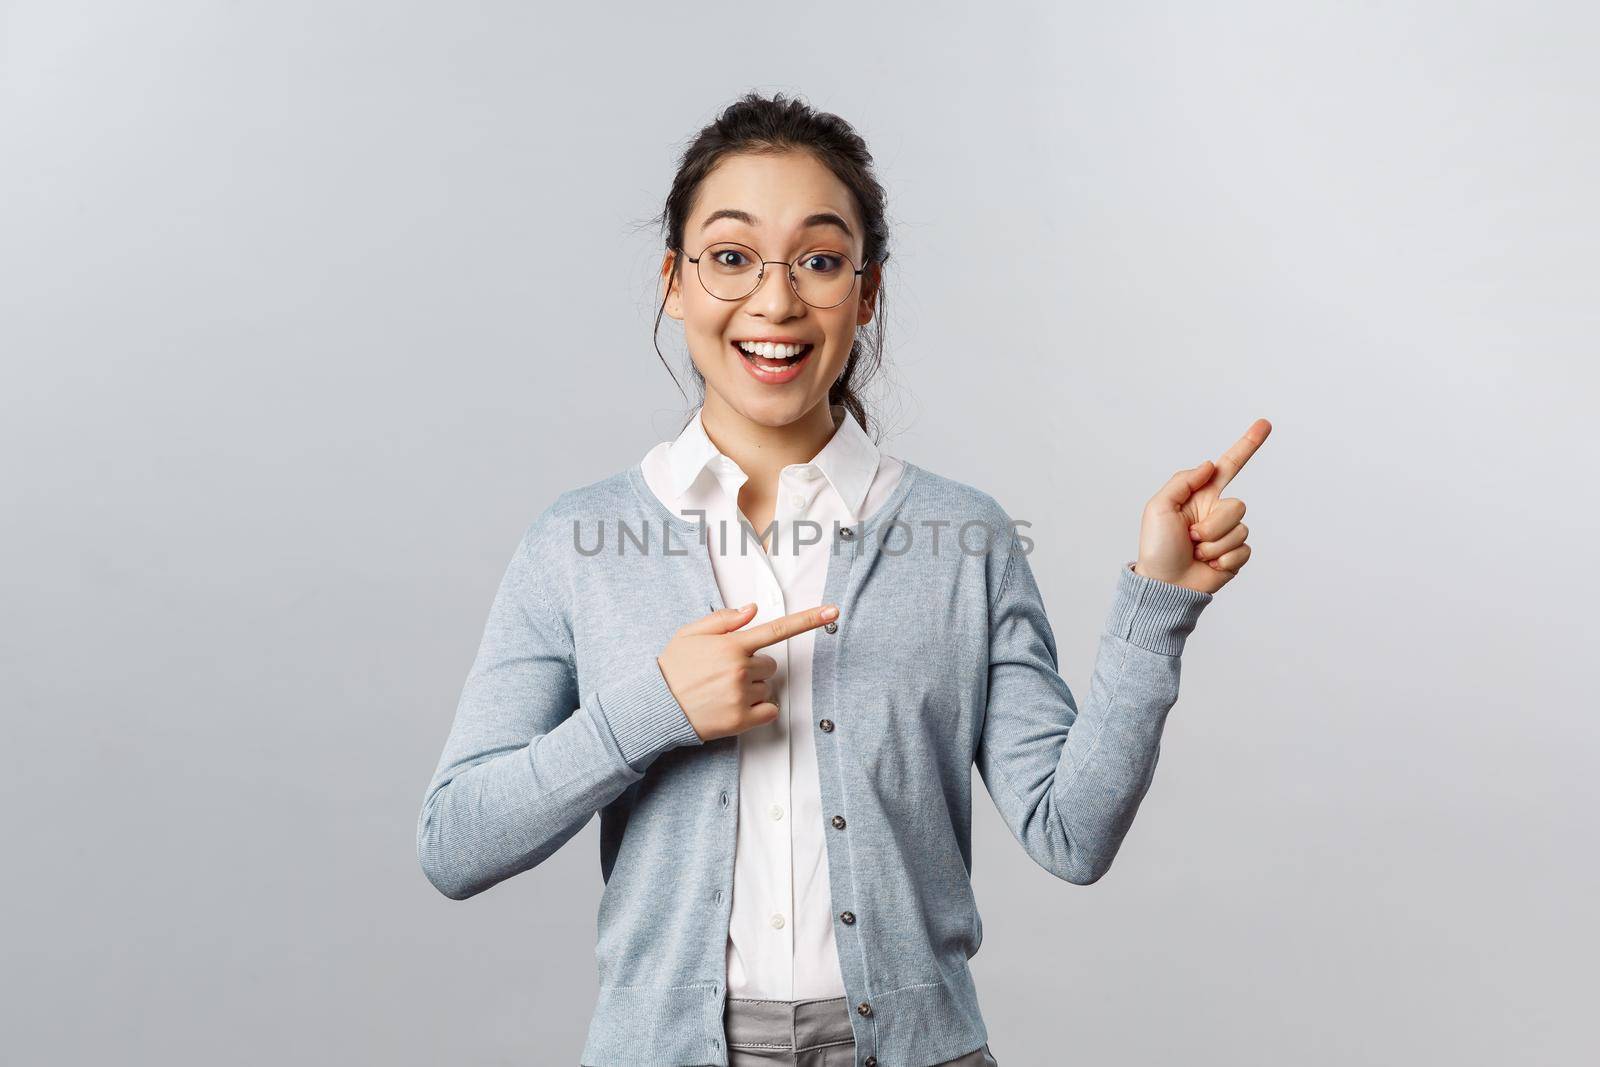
(759, 124)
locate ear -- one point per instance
(871, 280)
(673, 294)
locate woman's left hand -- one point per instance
(1190, 537)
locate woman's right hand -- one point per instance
(716, 673)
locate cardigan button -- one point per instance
(849, 917)
(870, 1061)
(832, 627)
(838, 822)
(826, 725)
(846, 533)
(864, 1008)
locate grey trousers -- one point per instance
(804, 1033)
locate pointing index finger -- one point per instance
(1240, 452)
(770, 633)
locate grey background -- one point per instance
(307, 309)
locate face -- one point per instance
(776, 194)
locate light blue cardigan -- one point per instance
(941, 658)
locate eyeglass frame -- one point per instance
(761, 275)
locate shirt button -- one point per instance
(848, 917)
(798, 501)
(776, 811)
(864, 1008)
(777, 921)
(838, 822)
(832, 627)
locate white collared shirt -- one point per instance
(780, 931)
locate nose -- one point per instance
(775, 296)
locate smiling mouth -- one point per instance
(766, 365)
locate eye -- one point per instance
(821, 262)
(720, 257)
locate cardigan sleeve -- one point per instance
(527, 762)
(1068, 781)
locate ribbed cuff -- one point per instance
(644, 716)
(1154, 614)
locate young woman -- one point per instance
(770, 654)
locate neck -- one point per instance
(762, 451)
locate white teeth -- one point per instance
(769, 349)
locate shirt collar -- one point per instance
(849, 460)
(690, 454)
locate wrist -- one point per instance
(1174, 579)
(1145, 572)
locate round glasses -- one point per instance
(728, 270)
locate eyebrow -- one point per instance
(821, 218)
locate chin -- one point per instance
(772, 411)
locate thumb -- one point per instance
(1181, 486)
(720, 622)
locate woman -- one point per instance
(784, 785)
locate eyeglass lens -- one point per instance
(730, 271)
